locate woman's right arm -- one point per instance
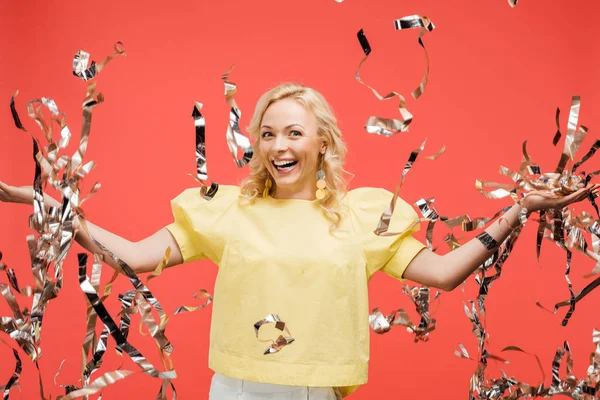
(141, 256)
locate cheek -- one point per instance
(263, 151)
(309, 151)
(311, 155)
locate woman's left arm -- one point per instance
(448, 271)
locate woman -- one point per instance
(291, 241)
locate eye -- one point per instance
(266, 134)
(295, 133)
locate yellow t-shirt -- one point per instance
(279, 257)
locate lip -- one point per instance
(280, 172)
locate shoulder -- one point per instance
(369, 203)
(226, 194)
(224, 191)
(368, 196)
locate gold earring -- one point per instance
(268, 184)
(321, 192)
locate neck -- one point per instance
(306, 193)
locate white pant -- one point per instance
(225, 388)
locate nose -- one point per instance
(280, 144)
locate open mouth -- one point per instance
(285, 165)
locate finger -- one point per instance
(574, 197)
(4, 188)
(546, 195)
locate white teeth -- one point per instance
(285, 164)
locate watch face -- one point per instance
(488, 241)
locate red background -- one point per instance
(497, 75)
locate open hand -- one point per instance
(540, 200)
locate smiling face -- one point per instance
(290, 147)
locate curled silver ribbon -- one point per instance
(207, 189)
(235, 138)
(281, 341)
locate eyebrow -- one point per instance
(287, 127)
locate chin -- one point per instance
(285, 182)
(286, 179)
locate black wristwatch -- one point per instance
(488, 241)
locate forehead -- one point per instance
(286, 112)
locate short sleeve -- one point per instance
(198, 226)
(389, 254)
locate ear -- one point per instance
(323, 148)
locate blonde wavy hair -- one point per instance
(253, 186)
